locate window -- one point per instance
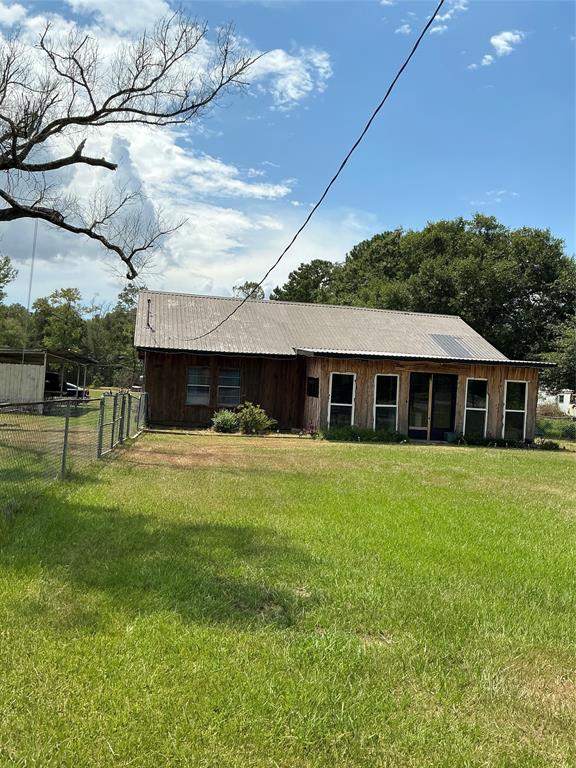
(313, 386)
(385, 403)
(515, 396)
(198, 386)
(476, 410)
(560, 398)
(341, 406)
(229, 387)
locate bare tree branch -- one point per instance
(168, 76)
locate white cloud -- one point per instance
(387, 2)
(503, 44)
(289, 78)
(404, 29)
(441, 22)
(236, 217)
(11, 13)
(123, 15)
(245, 252)
(495, 197)
(455, 7)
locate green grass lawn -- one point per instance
(235, 602)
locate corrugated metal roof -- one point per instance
(170, 321)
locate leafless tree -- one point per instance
(54, 96)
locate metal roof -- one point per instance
(171, 321)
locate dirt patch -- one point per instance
(376, 639)
(150, 455)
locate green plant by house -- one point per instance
(360, 435)
(254, 420)
(225, 421)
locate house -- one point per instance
(313, 366)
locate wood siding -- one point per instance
(22, 383)
(316, 409)
(277, 384)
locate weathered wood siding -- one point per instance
(274, 383)
(21, 383)
(316, 409)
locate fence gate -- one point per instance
(41, 441)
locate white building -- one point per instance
(565, 400)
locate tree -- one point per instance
(249, 289)
(514, 286)
(110, 340)
(63, 90)
(308, 283)
(564, 355)
(14, 324)
(7, 274)
(61, 326)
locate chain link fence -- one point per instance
(559, 428)
(41, 442)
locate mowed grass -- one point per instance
(226, 601)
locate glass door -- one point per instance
(419, 406)
(432, 405)
(444, 388)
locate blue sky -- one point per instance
(483, 120)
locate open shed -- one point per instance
(24, 374)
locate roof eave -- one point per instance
(422, 358)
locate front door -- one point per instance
(432, 405)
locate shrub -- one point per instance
(359, 435)
(254, 420)
(547, 445)
(225, 421)
(549, 410)
(569, 432)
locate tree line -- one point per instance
(516, 287)
(62, 322)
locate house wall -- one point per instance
(277, 384)
(316, 409)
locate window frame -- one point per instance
(219, 403)
(317, 378)
(466, 408)
(375, 405)
(208, 386)
(347, 405)
(506, 410)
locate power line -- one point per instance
(333, 179)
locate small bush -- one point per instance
(359, 435)
(550, 411)
(499, 442)
(569, 432)
(546, 445)
(225, 421)
(254, 420)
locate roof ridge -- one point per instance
(303, 304)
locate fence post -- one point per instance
(114, 413)
(129, 414)
(65, 443)
(101, 417)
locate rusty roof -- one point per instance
(171, 321)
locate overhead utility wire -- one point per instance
(333, 179)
